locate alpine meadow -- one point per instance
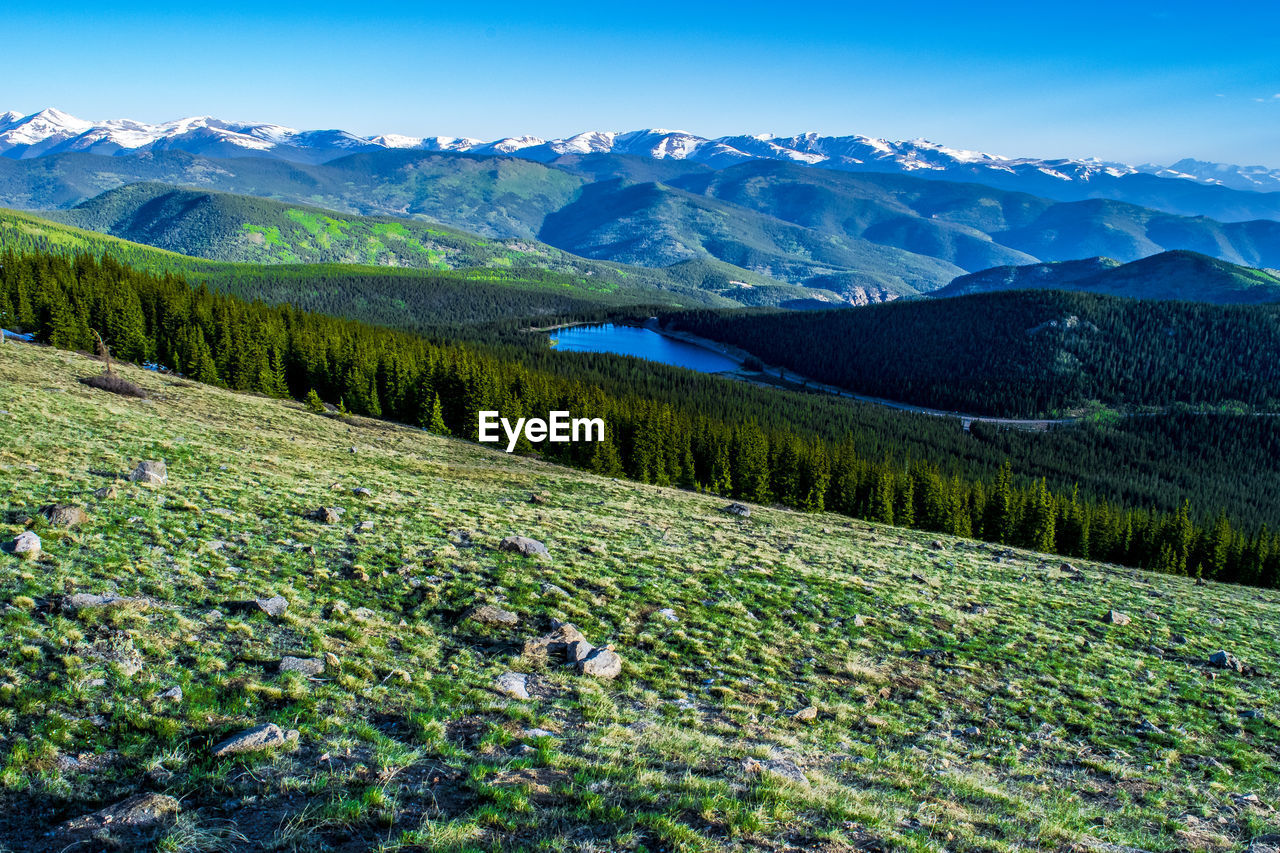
(533, 488)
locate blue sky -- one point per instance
(1126, 81)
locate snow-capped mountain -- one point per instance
(52, 131)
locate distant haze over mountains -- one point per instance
(52, 131)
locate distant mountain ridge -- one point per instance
(1179, 275)
(52, 131)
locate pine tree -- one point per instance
(314, 404)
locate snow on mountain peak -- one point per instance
(52, 131)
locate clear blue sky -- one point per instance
(1117, 80)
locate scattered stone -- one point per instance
(668, 614)
(363, 527)
(552, 589)
(106, 493)
(173, 694)
(88, 601)
(331, 661)
(361, 492)
(487, 614)
(513, 684)
(1177, 639)
(937, 545)
(530, 733)
(363, 614)
(807, 715)
(539, 498)
(523, 545)
(971, 731)
(352, 450)
(1225, 660)
(148, 471)
(578, 651)
(782, 768)
(26, 544)
(1253, 714)
(602, 663)
(1115, 617)
(562, 635)
(215, 545)
(919, 578)
(267, 736)
(64, 515)
(310, 667)
(274, 606)
(326, 515)
(740, 510)
(860, 621)
(123, 824)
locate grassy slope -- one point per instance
(408, 747)
(1169, 275)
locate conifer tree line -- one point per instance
(1021, 354)
(442, 386)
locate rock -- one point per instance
(919, 578)
(361, 492)
(363, 527)
(273, 606)
(1115, 617)
(668, 614)
(87, 601)
(578, 651)
(363, 614)
(310, 667)
(106, 493)
(859, 621)
(27, 545)
(487, 614)
(530, 733)
(1225, 660)
(1177, 639)
(782, 768)
(601, 663)
(807, 715)
(557, 642)
(552, 589)
(523, 545)
(148, 471)
(539, 498)
(740, 510)
(268, 736)
(1146, 727)
(123, 824)
(1253, 714)
(173, 694)
(971, 731)
(331, 661)
(352, 449)
(1067, 567)
(937, 545)
(513, 684)
(326, 515)
(64, 515)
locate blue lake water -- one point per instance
(641, 343)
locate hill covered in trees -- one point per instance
(1022, 353)
(855, 237)
(1117, 494)
(1168, 275)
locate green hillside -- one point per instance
(789, 681)
(1169, 275)
(856, 236)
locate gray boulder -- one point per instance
(64, 515)
(740, 510)
(150, 471)
(1115, 617)
(601, 663)
(310, 667)
(487, 614)
(269, 736)
(121, 825)
(513, 684)
(1225, 660)
(27, 545)
(523, 545)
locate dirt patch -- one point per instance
(539, 782)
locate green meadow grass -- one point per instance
(980, 702)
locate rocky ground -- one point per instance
(305, 633)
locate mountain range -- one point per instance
(52, 131)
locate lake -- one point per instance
(641, 343)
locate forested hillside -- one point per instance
(1022, 354)
(674, 427)
(1169, 275)
(856, 237)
